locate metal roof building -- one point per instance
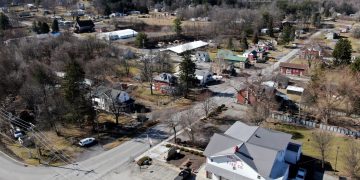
(187, 47)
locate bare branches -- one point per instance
(322, 142)
(352, 159)
(207, 104)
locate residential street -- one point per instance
(104, 163)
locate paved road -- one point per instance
(104, 163)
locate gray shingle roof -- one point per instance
(270, 139)
(221, 144)
(258, 147)
(241, 131)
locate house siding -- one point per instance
(292, 71)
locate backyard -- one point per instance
(304, 136)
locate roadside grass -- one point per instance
(304, 136)
(115, 143)
(107, 117)
(29, 156)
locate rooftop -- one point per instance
(187, 47)
(294, 66)
(255, 145)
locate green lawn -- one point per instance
(304, 135)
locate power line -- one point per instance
(1, 117)
(22, 123)
(41, 138)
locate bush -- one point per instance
(182, 149)
(142, 160)
(191, 151)
(168, 145)
(186, 150)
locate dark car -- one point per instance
(184, 174)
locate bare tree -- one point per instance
(322, 142)
(188, 117)
(207, 104)
(148, 70)
(352, 159)
(116, 109)
(173, 122)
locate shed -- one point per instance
(294, 90)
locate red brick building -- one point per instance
(164, 82)
(293, 69)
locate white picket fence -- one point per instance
(311, 124)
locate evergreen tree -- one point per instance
(355, 66)
(271, 26)
(44, 28)
(141, 40)
(4, 22)
(342, 52)
(255, 38)
(230, 44)
(55, 26)
(74, 77)
(187, 73)
(243, 42)
(287, 35)
(177, 26)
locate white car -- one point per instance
(87, 141)
(301, 174)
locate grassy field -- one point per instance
(304, 135)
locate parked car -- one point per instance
(301, 174)
(184, 174)
(18, 133)
(87, 142)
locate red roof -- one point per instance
(294, 66)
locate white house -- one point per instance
(105, 98)
(250, 152)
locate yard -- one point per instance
(304, 135)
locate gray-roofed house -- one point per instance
(105, 98)
(250, 152)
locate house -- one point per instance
(164, 82)
(250, 152)
(238, 61)
(202, 56)
(311, 52)
(84, 26)
(293, 69)
(247, 95)
(105, 98)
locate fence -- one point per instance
(311, 124)
(335, 113)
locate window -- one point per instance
(209, 175)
